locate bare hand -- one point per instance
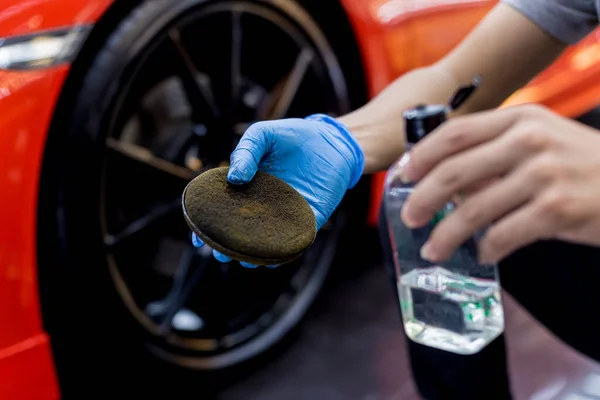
(542, 181)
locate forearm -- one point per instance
(379, 125)
(506, 59)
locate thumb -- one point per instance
(247, 154)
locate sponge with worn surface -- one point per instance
(264, 222)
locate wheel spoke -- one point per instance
(196, 85)
(186, 279)
(241, 127)
(236, 54)
(143, 223)
(145, 156)
(286, 90)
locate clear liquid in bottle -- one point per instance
(453, 305)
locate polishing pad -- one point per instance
(263, 222)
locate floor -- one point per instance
(350, 348)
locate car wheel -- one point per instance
(167, 97)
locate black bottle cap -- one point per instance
(422, 120)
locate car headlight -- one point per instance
(42, 49)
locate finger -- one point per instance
(458, 173)
(247, 155)
(455, 136)
(247, 265)
(524, 226)
(221, 257)
(477, 212)
(196, 241)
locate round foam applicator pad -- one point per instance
(264, 222)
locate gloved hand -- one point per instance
(316, 155)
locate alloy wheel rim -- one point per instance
(187, 155)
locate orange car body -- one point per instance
(394, 36)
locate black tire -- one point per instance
(99, 346)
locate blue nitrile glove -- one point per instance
(316, 155)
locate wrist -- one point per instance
(380, 137)
(357, 164)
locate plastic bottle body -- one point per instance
(453, 305)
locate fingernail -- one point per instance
(427, 253)
(273, 266)
(404, 178)
(403, 164)
(407, 219)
